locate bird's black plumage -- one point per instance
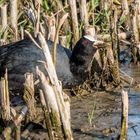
(72, 67)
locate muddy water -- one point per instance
(134, 103)
(104, 124)
(97, 116)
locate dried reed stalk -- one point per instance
(57, 90)
(45, 109)
(113, 63)
(5, 103)
(52, 106)
(3, 10)
(56, 36)
(38, 20)
(50, 23)
(75, 28)
(59, 11)
(126, 13)
(83, 12)
(124, 124)
(29, 95)
(13, 17)
(134, 29)
(138, 3)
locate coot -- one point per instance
(23, 56)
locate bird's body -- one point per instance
(23, 56)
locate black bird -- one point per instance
(23, 56)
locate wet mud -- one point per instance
(105, 122)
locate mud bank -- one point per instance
(105, 122)
(97, 115)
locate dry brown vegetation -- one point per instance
(114, 23)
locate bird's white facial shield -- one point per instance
(91, 38)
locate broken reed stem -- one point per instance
(52, 107)
(138, 2)
(126, 13)
(13, 17)
(56, 36)
(21, 33)
(29, 95)
(75, 28)
(57, 89)
(83, 12)
(5, 103)
(38, 20)
(46, 115)
(113, 65)
(124, 124)
(3, 10)
(50, 23)
(59, 11)
(135, 32)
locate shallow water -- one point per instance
(106, 121)
(134, 103)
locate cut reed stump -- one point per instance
(124, 119)
(29, 95)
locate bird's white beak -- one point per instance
(91, 38)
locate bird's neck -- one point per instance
(80, 66)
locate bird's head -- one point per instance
(89, 44)
(85, 47)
